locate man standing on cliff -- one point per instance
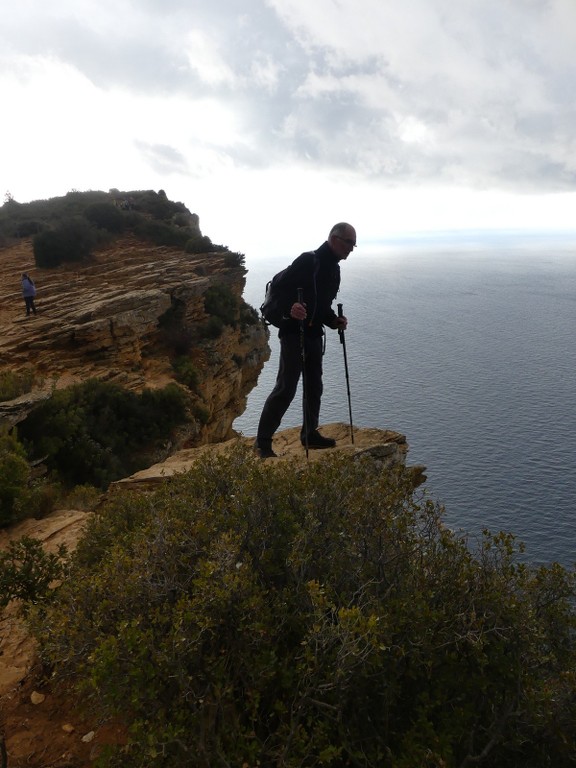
(317, 275)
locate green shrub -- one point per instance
(200, 413)
(156, 204)
(248, 315)
(83, 497)
(220, 301)
(38, 499)
(13, 384)
(211, 329)
(97, 432)
(159, 233)
(199, 244)
(249, 613)
(106, 216)
(14, 476)
(184, 220)
(27, 571)
(234, 260)
(72, 240)
(28, 227)
(186, 372)
(139, 207)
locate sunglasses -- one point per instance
(347, 240)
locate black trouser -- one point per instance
(29, 301)
(290, 368)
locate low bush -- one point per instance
(155, 204)
(27, 571)
(84, 497)
(199, 244)
(72, 240)
(186, 372)
(38, 499)
(200, 413)
(106, 216)
(159, 233)
(233, 259)
(248, 315)
(14, 384)
(14, 476)
(253, 614)
(211, 329)
(220, 301)
(97, 432)
(28, 228)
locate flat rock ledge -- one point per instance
(386, 446)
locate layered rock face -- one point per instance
(106, 319)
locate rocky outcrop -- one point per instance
(107, 318)
(386, 447)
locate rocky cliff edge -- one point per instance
(102, 318)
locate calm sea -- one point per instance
(469, 349)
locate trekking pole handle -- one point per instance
(300, 300)
(340, 330)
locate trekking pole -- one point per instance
(343, 342)
(303, 356)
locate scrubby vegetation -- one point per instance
(97, 432)
(247, 614)
(221, 302)
(106, 216)
(23, 495)
(27, 572)
(186, 372)
(69, 228)
(233, 259)
(72, 240)
(14, 476)
(85, 437)
(199, 244)
(14, 384)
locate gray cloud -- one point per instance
(163, 159)
(475, 93)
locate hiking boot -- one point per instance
(316, 440)
(264, 449)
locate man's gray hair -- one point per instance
(340, 229)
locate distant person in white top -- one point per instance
(29, 292)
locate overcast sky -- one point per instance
(272, 119)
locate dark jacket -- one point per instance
(318, 274)
(28, 288)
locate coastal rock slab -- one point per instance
(386, 446)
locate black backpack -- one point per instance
(271, 308)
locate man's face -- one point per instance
(343, 244)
